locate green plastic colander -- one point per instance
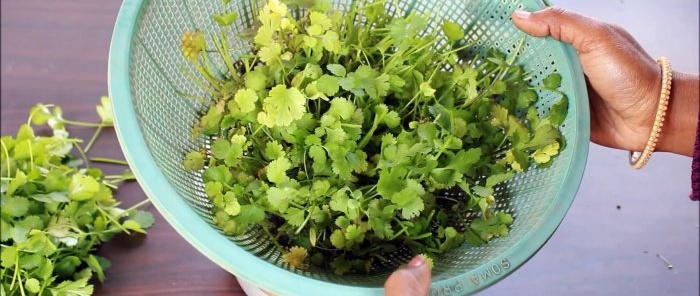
(154, 126)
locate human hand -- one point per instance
(410, 280)
(624, 82)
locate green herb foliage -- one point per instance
(348, 136)
(56, 210)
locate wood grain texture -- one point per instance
(56, 52)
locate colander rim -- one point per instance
(209, 242)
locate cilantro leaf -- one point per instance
(365, 80)
(220, 148)
(218, 173)
(246, 99)
(354, 234)
(334, 137)
(282, 106)
(498, 178)
(545, 154)
(277, 170)
(452, 30)
(295, 216)
(274, 150)
(552, 81)
(380, 218)
(256, 80)
(409, 199)
(336, 69)
(279, 197)
(250, 214)
(545, 134)
(465, 160)
(143, 218)
(390, 182)
(193, 161)
(338, 239)
(270, 54)
(82, 187)
(225, 19)
(56, 213)
(403, 30)
(328, 85)
(104, 110)
(558, 111)
(79, 287)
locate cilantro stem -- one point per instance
(7, 157)
(138, 205)
(93, 139)
(110, 185)
(43, 287)
(222, 47)
(419, 237)
(205, 69)
(443, 148)
(190, 96)
(447, 198)
(499, 77)
(308, 217)
(31, 114)
(103, 232)
(306, 171)
(371, 188)
(409, 102)
(434, 250)
(257, 130)
(197, 81)
(112, 219)
(16, 274)
(455, 50)
(424, 46)
(82, 154)
(31, 154)
(114, 181)
(273, 239)
(86, 124)
(539, 88)
(402, 231)
(365, 139)
(109, 160)
(517, 50)
(503, 141)
(19, 279)
(125, 176)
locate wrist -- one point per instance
(679, 132)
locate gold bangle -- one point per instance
(637, 159)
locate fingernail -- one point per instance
(522, 14)
(416, 261)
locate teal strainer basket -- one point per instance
(154, 124)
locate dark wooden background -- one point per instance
(55, 51)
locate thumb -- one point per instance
(411, 280)
(580, 31)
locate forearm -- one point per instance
(679, 131)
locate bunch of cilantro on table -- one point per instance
(57, 209)
(347, 137)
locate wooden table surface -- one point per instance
(56, 52)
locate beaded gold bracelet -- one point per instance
(637, 159)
